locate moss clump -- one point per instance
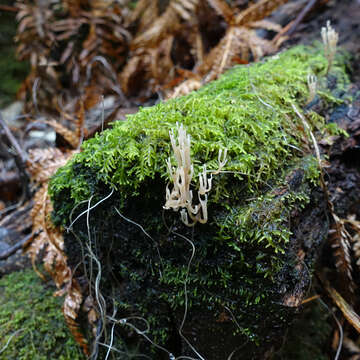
(30, 311)
(248, 111)
(244, 257)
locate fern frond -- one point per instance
(355, 238)
(43, 163)
(71, 309)
(340, 241)
(70, 136)
(146, 11)
(258, 11)
(185, 88)
(223, 9)
(166, 24)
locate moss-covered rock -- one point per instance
(238, 267)
(32, 325)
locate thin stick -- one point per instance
(13, 249)
(12, 140)
(301, 17)
(9, 8)
(20, 158)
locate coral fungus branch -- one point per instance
(181, 196)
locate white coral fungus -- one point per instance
(181, 197)
(330, 39)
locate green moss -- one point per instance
(243, 251)
(248, 111)
(29, 310)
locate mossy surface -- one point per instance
(248, 111)
(32, 325)
(236, 276)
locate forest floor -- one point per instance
(16, 202)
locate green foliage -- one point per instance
(262, 220)
(29, 310)
(248, 111)
(334, 129)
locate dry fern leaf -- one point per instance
(102, 25)
(166, 24)
(356, 248)
(34, 24)
(221, 56)
(355, 226)
(162, 27)
(80, 122)
(185, 88)
(347, 310)
(260, 47)
(71, 309)
(36, 40)
(47, 240)
(161, 60)
(146, 12)
(340, 241)
(265, 24)
(107, 35)
(89, 307)
(38, 240)
(149, 66)
(223, 9)
(70, 136)
(239, 41)
(73, 6)
(258, 11)
(92, 96)
(55, 262)
(43, 163)
(137, 63)
(185, 8)
(198, 48)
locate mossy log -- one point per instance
(227, 288)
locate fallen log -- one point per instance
(213, 268)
